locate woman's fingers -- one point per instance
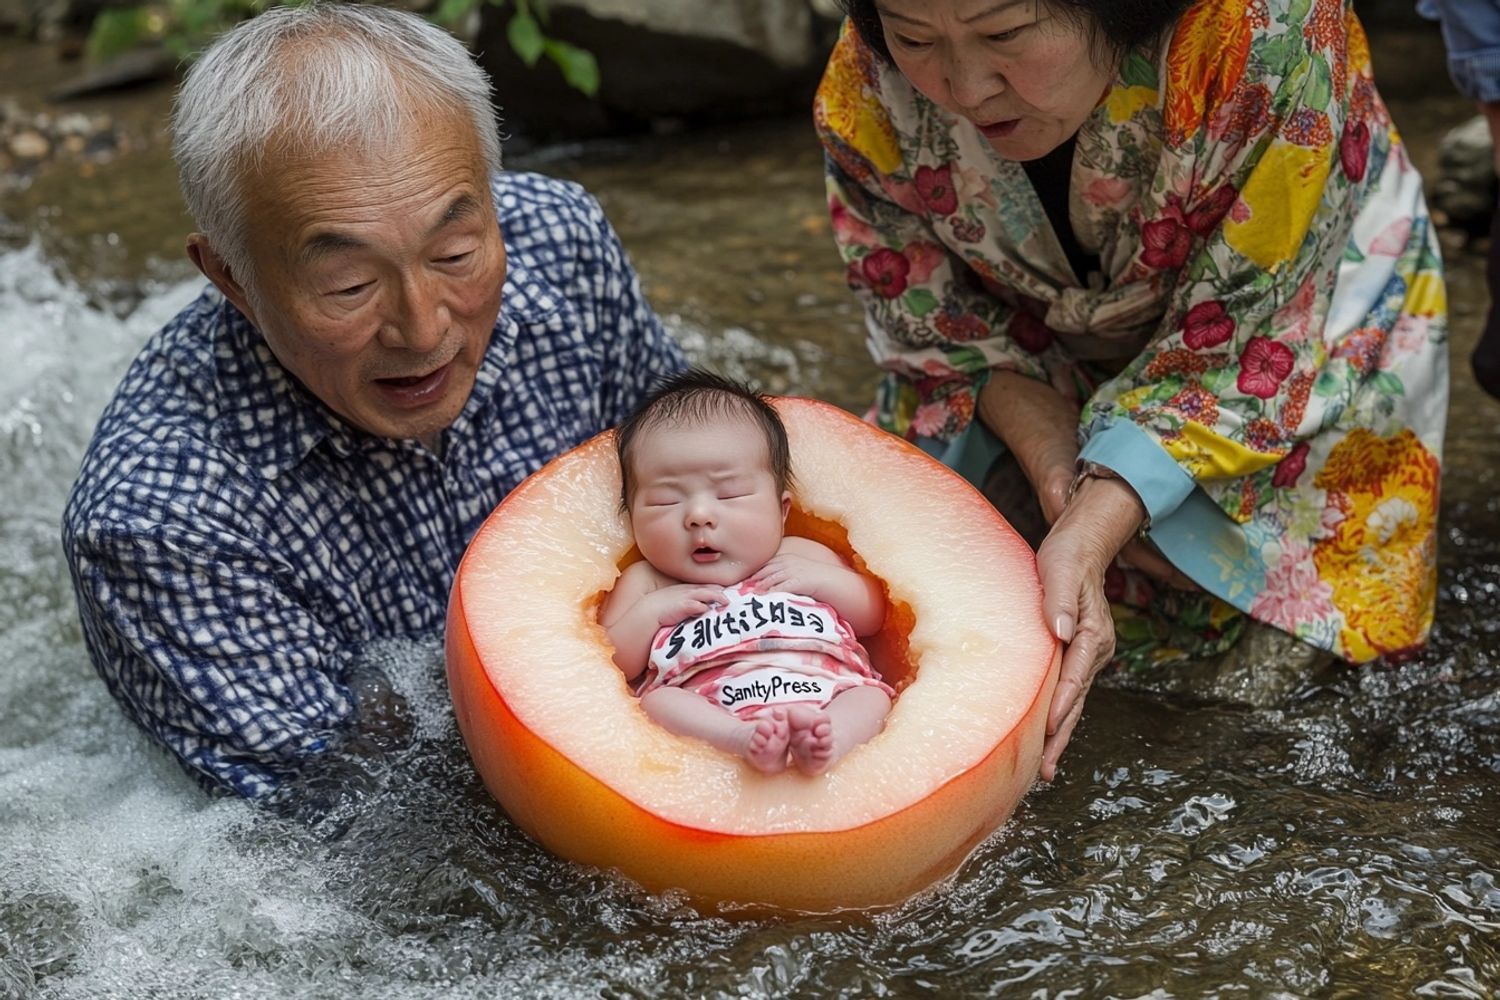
(1073, 594)
(1057, 741)
(1102, 517)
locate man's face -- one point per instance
(377, 278)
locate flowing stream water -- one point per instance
(1342, 843)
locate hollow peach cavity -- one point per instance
(565, 748)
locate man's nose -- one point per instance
(421, 318)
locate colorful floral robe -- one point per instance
(1264, 354)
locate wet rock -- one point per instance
(1266, 669)
(29, 145)
(130, 69)
(1465, 188)
(29, 140)
(75, 124)
(17, 16)
(658, 59)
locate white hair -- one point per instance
(325, 76)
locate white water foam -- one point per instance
(119, 878)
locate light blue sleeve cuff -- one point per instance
(1155, 476)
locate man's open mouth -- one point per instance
(415, 390)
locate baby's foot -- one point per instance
(811, 739)
(766, 747)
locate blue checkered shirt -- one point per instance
(233, 544)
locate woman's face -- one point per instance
(1024, 76)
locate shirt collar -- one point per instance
(274, 422)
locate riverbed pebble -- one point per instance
(30, 138)
(29, 145)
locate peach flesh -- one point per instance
(564, 747)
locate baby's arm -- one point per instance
(803, 566)
(640, 605)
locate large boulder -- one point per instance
(1464, 189)
(683, 60)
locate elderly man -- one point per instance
(396, 334)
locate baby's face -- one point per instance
(706, 508)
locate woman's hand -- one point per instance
(1039, 427)
(1103, 515)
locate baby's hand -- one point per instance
(684, 600)
(793, 573)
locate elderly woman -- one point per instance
(1171, 263)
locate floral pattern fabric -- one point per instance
(1270, 310)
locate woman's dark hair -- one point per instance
(694, 396)
(1113, 26)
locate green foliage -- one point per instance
(183, 26)
(115, 30)
(528, 38)
(186, 27)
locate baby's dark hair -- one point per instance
(693, 396)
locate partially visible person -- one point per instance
(734, 633)
(1471, 33)
(1165, 269)
(395, 335)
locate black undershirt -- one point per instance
(1050, 177)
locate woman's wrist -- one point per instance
(1105, 514)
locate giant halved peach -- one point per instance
(565, 748)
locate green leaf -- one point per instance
(919, 301)
(196, 18)
(965, 359)
(1387, 384)
(1353, 254)
(1217, 380)
(1275, 54)
(115, 30)
(1204, 265)
(1296, 15)
(525, 37)
(578, 66)
(1327, 384)
(1320, 87)
(450, 12)
(1138, 71)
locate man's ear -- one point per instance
(216, 270)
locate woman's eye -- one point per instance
(910, 43)
(457, 258)
(1004, 36)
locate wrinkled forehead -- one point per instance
(412, 128)
(305, 195)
